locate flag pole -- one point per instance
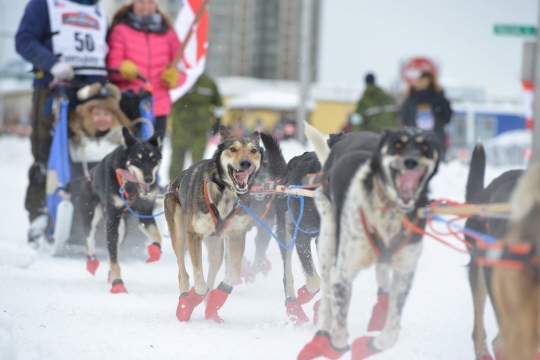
(536, 117)
(304, 70)
(198, 17)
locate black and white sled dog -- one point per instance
(263, 205)
(135, 167)
(202, 204)
(303, 169)
(480, 277)
(367, 199)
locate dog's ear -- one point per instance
(255, 136)
(129, 139)
(156, 139)
(225, 134)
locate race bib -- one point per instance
(79, 34)
(424, 117)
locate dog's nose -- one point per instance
(148, 179)
(410, 163)
(245, 164)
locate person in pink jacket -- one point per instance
(142, 41)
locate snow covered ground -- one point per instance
(59, 311)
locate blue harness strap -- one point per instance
(123, 196)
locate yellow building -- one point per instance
(249, 101)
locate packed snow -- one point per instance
(52, 308)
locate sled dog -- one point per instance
(133, 167)
(367, 199)
(202, 203)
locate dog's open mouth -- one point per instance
(241, 178)
(407, 183)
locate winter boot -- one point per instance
(37, 229)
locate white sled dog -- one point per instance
(368, 198)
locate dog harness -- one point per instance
(219, 223)
(385, 253)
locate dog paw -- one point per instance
(484, 356)
(216, 318)
(379, 313)
(118, 287)
(320, 346)
(187, 303)
(304, 296)
(363, 348)
(216, 299)
(154, 252)
(295, 313)
(92, 263)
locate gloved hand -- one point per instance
(170, 77)
(128, 70)
(62, 71)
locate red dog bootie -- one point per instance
(118, 287)
(154, 252)
(266, 266)
(320, 346)
(304, 296)
(92, 263)
(216, 299)
(216, 318)
(187, 303)
(484, 356)
(379, 313)
(295, 313)
(316, 312)
(363, 348)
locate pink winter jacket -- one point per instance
(151, 52)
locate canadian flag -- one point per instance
(194, 56)
(528, 98)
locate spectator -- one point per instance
(195, 114)
(427, 108)
(142, 41)
(49, 28)
(376, 109)
(97, 130)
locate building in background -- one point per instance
(259, 38)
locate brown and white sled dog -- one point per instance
(202, 204)
(363, 210)
(517, 290)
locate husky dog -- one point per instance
(263, 206)
(517, 290)
(202, 203)
(480, 277)
(135, 167)
(367, 198)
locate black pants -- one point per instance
(41, 141)
(161, 124)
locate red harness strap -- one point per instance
(385, 253)
(219, 223)
(121, 183)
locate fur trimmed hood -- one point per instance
(107, 97)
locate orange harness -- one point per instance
(219, 223)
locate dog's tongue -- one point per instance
(408, 181)
(242, 176)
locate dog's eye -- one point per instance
(232, 149)
(425, 147)
(253, 151)
(398, 145)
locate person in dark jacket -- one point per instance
(376, 108)
(56, 36)
(427, 108)
(194, 115)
